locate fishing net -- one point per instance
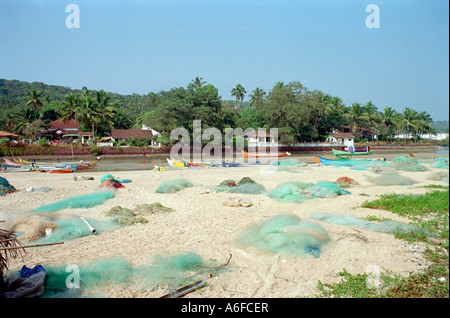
(29, 226)
(389, 179)
(170, 271)
(346, 182)
(287, 162)
(439, 176)
(66, 229)
(126, 216)
(382, 169)
(403, 163)
(85, 201)
(285, 235)
(385, 226)
(5, 187)
(245, 185)
(441, 162)
(173, 186)
(297, 192)
(98, 274)
(357, 164)
(294, 192)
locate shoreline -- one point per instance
(383, 149)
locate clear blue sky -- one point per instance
(139, 46)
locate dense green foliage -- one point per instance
(299, 113)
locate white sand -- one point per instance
(202, 224)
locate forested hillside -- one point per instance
(299, 113)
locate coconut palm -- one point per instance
(409, 122)
(67, 111)
(239, 92)
(356, 116)
(87, 113)
(198, 82)
(388, 119)
(35, 100)
(257, 97)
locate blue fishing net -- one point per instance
(173, 186)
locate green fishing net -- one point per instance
(78, 280)
(403, 163)
(385, 226)
(441, 162)
(357, 164)
(285, 235)
(389, 179)
(126, 216)
(84, 201)
(245, 185)
(173, 186)
(169, 271)
(297, 192)
(72, 228)
(5, 187)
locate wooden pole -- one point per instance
(27, 246)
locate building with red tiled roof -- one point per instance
(123, 134)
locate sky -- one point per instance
(396, 55)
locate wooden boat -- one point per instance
(319, 159)
(265, 155)
(357, 151)
(79, 164)
(59, 171)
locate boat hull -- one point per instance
(264, 155)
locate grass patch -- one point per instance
(429, 211)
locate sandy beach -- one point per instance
(202, 224)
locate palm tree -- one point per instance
(279, 84)
(389, 120)
(409, 122)
(105, 108)
(372, 113)
(68, 107)
(424, 123)
(198, 82)
(87, 113)
(35, 100)
(257, 97)
(239, 92)
(356, 116)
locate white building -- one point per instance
(341, 139)
(256, 138)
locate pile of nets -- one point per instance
(66, 229)
(173, 186)
(346, 182)
(390, 179)
(285, 235)
(439, 176)
(5, 187)
(441, 162)
(108, 181)
(126, 216)
(297, 192)
(245, 185)
(385, 226)
(404, 163)
(84, 201)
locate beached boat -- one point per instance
(352, 152)
(319, 159)
(264, 155)
(32, 167)
(79, 164)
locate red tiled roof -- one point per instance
(7, 134)
(70, 124)
(342, 135)
(126, 133)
